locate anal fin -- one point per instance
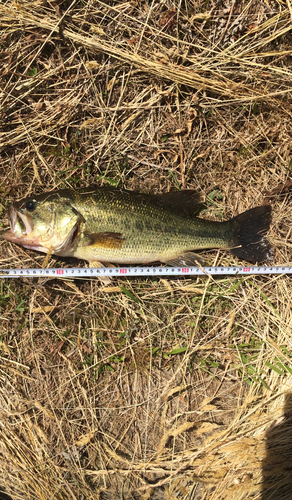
(188, 259)
(104, 279)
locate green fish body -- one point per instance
(106, 225)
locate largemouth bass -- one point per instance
(105, 225)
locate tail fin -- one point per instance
(248, 240)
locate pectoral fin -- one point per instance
(105, 239)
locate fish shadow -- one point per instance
(277, 465)
(4, 496)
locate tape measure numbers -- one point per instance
(83, 272)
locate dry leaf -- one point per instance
(91, 123)
(200, 17)
(97, 30)
(129, 120)
(82, 441)
(280, 189)
(110, 289)
(43, 309)
(110, 84)
(92, 65)
(189, 126)
(209, 408)
(173, 433)
(36, 172)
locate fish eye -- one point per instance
(30, 205)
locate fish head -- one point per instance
(45, 223)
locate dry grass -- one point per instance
(161, 389)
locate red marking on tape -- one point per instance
(60, 271)
(123, 271)
(185, 270)
(246, 269)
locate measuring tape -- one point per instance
(83, 272)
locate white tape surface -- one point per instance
(83, 272)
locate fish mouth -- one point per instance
(20, 224)
(23, 231)
(21, 228)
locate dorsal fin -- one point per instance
(187, 201)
